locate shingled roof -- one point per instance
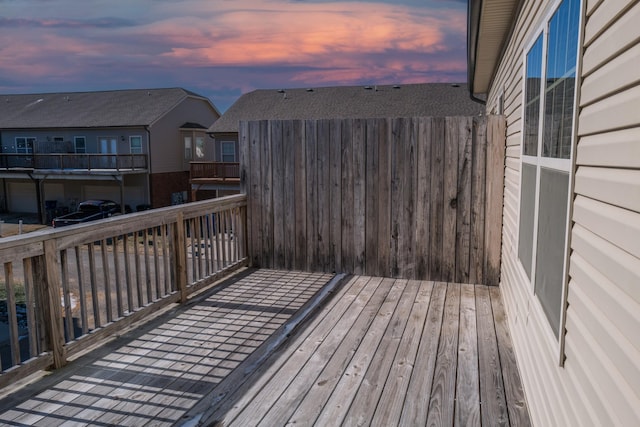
(137, 107)
(411, 100)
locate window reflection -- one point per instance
(560, 85)
(532, 100)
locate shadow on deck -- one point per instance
(375, 351)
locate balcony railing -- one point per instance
(75, 161)
(215, 170)
(65, 289)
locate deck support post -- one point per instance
(47, 281)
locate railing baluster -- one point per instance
(65, 295)
(147, 266)
(166, 250)
(29, 294)
(81, 290)
(225, 238)
(107, 280)
(192, 277)
(179, 245)
(156, 262)
(136, 258)
(198, 230)
(218, 242)
(116, 270)
(12, 315)
(95, 297)
(127, 273)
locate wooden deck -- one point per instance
(378, 352)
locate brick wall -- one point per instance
(164, 184)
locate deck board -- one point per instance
(380, 351)
(419, 353)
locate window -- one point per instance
(546, 151)
(199, 147)
(135, 143)
(24, 144)
(187, 148)
(228, 151)
(80, 144)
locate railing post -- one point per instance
(47, 281)
(179, 245)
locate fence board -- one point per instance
(311, 168)
(300, 196)
(277, 186)
(494, 198)
(436, 198)
(254, 194)
(348, 248)
(288, 194)
(324, 195)
(478, 181)
(266, 190)
(404, 197)
(450, 198)
(372, 198)
(384, 200)
(463, 226)
(397, 135)
(423, 193)
(359, 194)
(335, 232)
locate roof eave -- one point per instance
(489, 26)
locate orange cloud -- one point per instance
(296, 33)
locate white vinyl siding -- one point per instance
(599, 382)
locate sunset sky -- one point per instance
(223, 48)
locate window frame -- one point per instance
(222, 153)
(550, 163)
(199, 148)
(188, 148)
(27, 139)
(131, 139)
(75, 144)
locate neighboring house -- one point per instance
(566, 75)
(131, 146)
(411, 100)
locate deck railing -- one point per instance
(64, 161)
(215, 170)
(65, 289)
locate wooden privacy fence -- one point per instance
(404, 197)
(65, 289)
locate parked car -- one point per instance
(89, 210)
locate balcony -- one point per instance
(68, 163)
(216, 176)
(215, 171)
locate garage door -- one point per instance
(104, 192)
(22, 197)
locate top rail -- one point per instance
(65, 161)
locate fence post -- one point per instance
(180, 256)
(47, 280)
